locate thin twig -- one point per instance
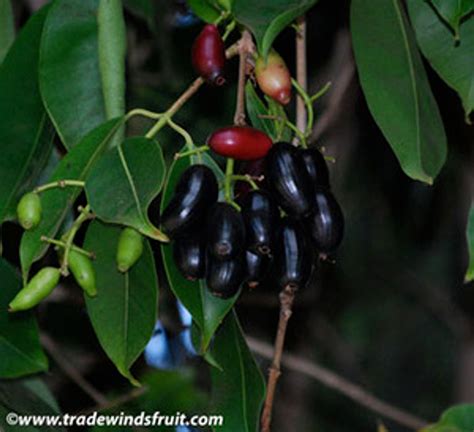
(71, 372)
(287, 297)
(245, 47)
(301, 76)
(340, 384)
(288, 293)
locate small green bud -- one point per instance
(129, 249)
(38, 288)
(83, 271)
(29, 210)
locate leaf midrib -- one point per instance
(242, 379)
(412, 74)
(21, 353)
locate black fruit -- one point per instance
(195, 192)
(288, 180)
(293, 258)
(224, 278)
(189, 253)
(316, 167)
(257, 266)
(326, 223)
(260, 215)
(226, 232)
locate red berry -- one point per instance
(208, 55)
(240, 142)
(273, 77)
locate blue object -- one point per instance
(158, 352)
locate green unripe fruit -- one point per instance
(129, 249)
(38, 288)
(29, 210)
(83, 271)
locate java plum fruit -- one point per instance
(189, 253)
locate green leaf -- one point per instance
(239, 388)
(69, 69)
(207, 311)
(452, 11)
(20, 349)
(267, 18)
(470, 244)
(207, 10)
(255, 108)
(25, 132)
(7, 27)
(454, 63)
(124, 181)
(456, 419)
(112, 40)
(124, 311)
(56, 202)
(396, 87)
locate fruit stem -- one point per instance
(308, 105)
(228, 30)
(194, 151)
(247, 178)
(229, 172)
(62, 244)
(85, 214)
(321, 92)
(144, 113)
(187, 137)
(58, 184)
(301, 135)
(301, 76)
(185, 96)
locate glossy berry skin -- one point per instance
(83, 271)
(260, 214)
(289, 183)
(273, 77)
(29, 210)
(326, 223)
(189, 253)
(293, 257)
(208, 55)
(195, 192)
(253, 168)
(37, 289)
(257, 266)
(129, 249)
(240, 142)
(316, 167)
(226, 232)
(224, 278)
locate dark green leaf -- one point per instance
(453, 62)
(69, 69)
(456, 419)
(124, 181)
(142, 8)
(396, 87)
(112, 40)
(26, 397)
(20, 349)
(207, 10)
(25, 132)
(56, 202)
(207, 311)
(470, 244)
(239, 388)
(7, 27)
(267, 18)
(124, 311)
(452, 11)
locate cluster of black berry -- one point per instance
(228, 247)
